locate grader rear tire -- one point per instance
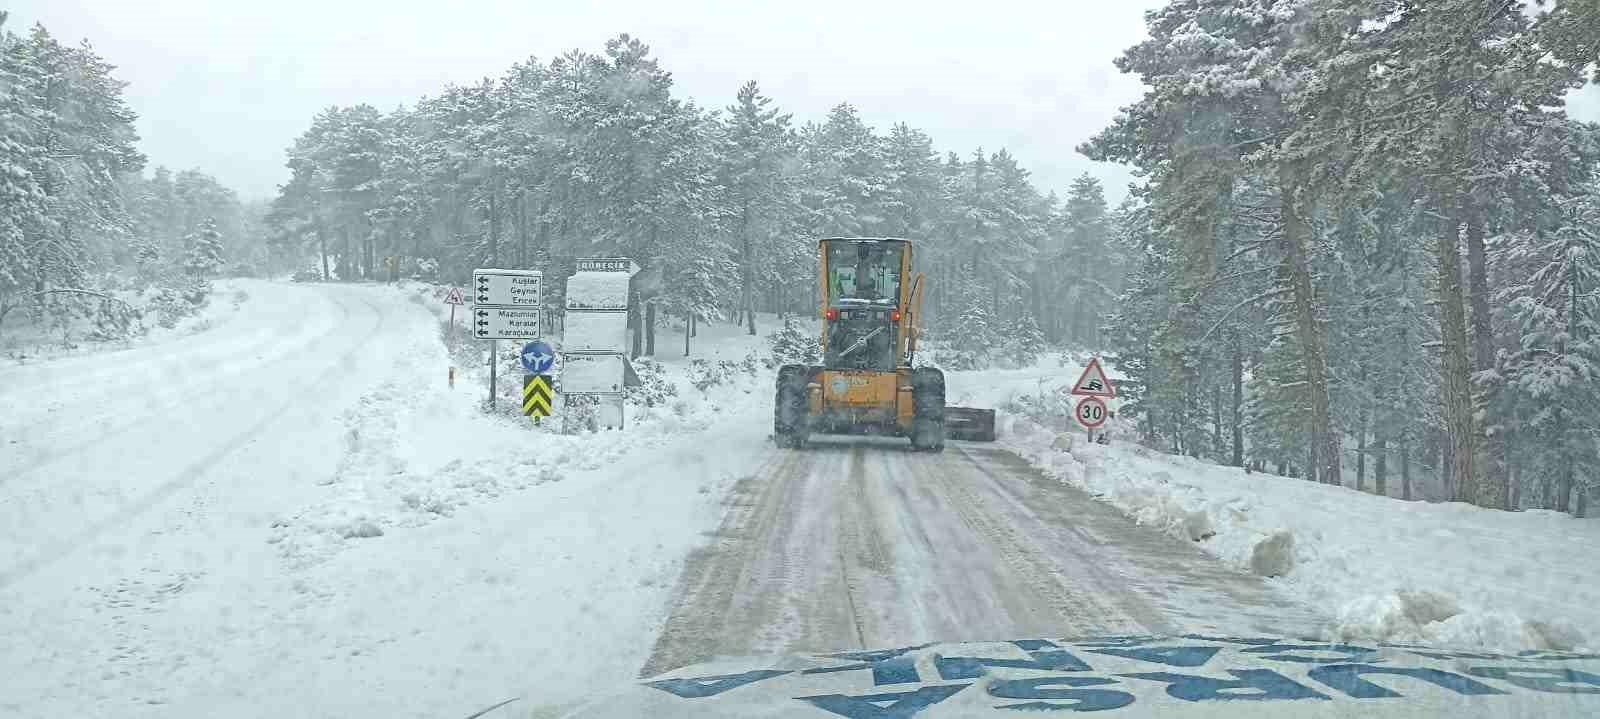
(790, 410)
(927, 409)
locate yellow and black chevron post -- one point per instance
(536, 395)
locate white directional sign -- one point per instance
(504, 323)
(608, 264)
(508, 288)
(592, 373)
(597, 291)
(595, 331)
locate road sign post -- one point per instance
(507, 306)
(536, 396)
(1093, 385)
(455, 299)
(594, 365)
(538, 357)
(1091, 413)
(1094, 382)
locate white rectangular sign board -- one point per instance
(590, 331)
(582, 373)
(597, 291)
(513, 288)
(500, 323)
(608, 264)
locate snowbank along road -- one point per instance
(861, 544)
(141, 480)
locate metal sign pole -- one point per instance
(494, 346)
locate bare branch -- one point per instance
(1247, 301)
(75, 291)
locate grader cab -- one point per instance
(868, 382)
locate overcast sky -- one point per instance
(225, 86)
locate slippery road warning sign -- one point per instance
(454, 297)
(536, 395)
(1094, 382)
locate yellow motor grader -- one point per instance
(868, 382)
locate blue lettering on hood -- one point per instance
(701, 687)
(895, 705)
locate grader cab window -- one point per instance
(863, 291)
(864, 272)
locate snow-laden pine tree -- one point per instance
(204, 257)
(1130, 330)
(1218, 107)
(844, 190)
(1553, 373)
(1084, 270)
(759, 143)
(23, 210)
(1022, 342)
(791, 344)
(87, 131)
(911, 183)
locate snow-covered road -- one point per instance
(856, 544)
(97, 444)
(142, 481)
(291, 514)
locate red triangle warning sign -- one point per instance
(1094, 382)
(454, 297)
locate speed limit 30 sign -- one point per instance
(1091, 412)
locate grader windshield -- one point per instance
(862, 308)
(864, 272)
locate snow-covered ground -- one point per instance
(23, 340)
(1445, 573)
(290, 512)
(293, 514)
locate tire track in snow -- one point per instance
(181, 394)
(711, 576)
(1152, 576)
(58, 549)
(864, 544)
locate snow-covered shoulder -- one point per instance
(1384, 569)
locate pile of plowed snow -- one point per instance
(1383, 569)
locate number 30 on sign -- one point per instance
(1091, 412)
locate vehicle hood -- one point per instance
(1121, 676)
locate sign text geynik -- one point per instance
(513, 288)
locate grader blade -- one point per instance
(968, 423)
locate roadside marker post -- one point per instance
(455, 299)
(536, 396)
